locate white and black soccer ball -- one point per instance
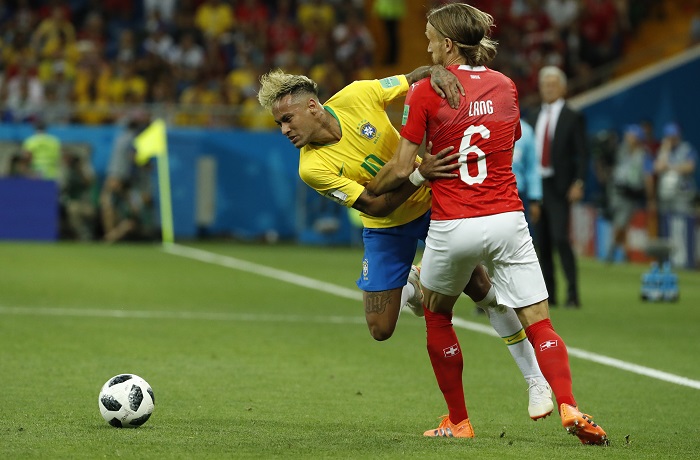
(126, 401)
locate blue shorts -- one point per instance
(389, 254)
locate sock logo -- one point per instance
(548, 344)
(451, 351)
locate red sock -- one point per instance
(446, 358)
(553, 359)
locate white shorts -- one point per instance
(501, 241)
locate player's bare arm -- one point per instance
(418, 74)
(446, 85)
(401, 166)
(398, 170)
(443, 82)
(384, 204)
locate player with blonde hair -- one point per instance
(477, 214)
(343, 143)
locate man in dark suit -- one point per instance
(560, 138)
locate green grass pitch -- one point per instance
(244, 365)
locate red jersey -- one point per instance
(483, 129)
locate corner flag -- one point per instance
(152, 142)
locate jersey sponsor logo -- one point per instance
(404, 118)
(337, 195)
(367, 130)
(548, 344)
(389, 82)
(451, 351)
(340, 172)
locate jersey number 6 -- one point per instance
(466, 149)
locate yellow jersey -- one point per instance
(368, 140)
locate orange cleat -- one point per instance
(581, 425)
(450, 430)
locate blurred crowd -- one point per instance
(580, 37)
(90, 60)
(636, 171)
(116, 207)
(197, 62)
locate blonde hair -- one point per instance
(276, 84)
(469, 29)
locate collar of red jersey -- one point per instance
(480, 68)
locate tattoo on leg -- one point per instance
(376, 302)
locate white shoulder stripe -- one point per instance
(480, 68)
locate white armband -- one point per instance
(416, 178)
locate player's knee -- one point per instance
(478, 285)
(477, 290)
(381, 332)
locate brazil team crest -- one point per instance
(367, 130)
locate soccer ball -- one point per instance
(126, 400)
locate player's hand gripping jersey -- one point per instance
(340, 171)
(483, 129)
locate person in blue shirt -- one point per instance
(675, 166)
(527, 175)
(631, 187)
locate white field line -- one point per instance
(262, 270)
(596, 358)
(281, 275)
(192, 315)
(310, 283)
(243, 317)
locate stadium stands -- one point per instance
(197, 61)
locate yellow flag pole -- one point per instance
(152, 142)
(166, 210)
